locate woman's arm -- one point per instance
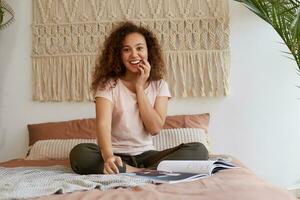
(103, 127)
(153, 118)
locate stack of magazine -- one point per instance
(175, 171)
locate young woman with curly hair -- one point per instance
(131, 100)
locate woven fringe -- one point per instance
(64, 78)
(190, 74)
(204, 73)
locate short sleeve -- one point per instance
(104, 93)
(164, 89)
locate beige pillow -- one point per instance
(168, 138)
(54, 149)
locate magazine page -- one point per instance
(189, 166)
(194, 166)
(220, 165)
(166, 177)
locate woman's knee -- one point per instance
(80, 151)
(198, 150)
(83, 157)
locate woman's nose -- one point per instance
(134, 53)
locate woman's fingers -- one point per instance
(146, 63)
(146, 69)
(104, 171)
(111, 168)
(111, 165)
(108, 170)
(114, 168)
(142, 70)
(119, 162)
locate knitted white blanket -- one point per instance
(29, 182)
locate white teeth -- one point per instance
(135, 62)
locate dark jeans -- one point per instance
(86, 158)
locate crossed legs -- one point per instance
(86, 158)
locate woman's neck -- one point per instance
(129, 77)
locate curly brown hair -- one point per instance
(109, 65)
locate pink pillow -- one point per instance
(73, 129)
(188, 121)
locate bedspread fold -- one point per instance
(30, 182)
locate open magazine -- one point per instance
(174, 171)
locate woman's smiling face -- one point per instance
(134, 50)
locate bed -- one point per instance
(45, 173)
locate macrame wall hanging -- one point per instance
(194, 35)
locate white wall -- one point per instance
(258, 122)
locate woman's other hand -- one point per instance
(111, 165)
(144, 68)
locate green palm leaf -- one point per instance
(1, 13)
(6, 14)
(284, 16)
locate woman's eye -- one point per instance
(125, 50)
(140, 48)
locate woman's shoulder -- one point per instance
(161, 88)
(158, 83)
(108, 85)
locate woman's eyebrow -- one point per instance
(141, 43)
(138, 44)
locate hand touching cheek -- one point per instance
(144, 68)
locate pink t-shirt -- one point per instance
(128, 133)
